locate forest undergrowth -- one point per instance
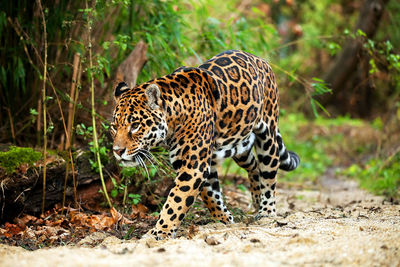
(58, 72)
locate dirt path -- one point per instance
(338, 224)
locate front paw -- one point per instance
(159, 234)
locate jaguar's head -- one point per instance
(138, 123)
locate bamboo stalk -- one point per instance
(71, 115)
(95, 141)
(72, 97)
(38, 122)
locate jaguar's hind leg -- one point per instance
(248, 161)
(212, 197)
(267, 150)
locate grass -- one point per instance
(380, 176)
(310, 148)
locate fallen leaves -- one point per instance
(10, 230)
(140, 211)
(55, 226)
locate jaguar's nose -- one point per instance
(119, 151)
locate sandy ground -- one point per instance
(336, 224)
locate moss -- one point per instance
(16, 156)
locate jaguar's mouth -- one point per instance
(138, 159)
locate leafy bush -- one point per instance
(379, 176)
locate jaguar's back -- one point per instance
(248, 96)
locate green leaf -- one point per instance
(114, 193)
(103, 150)
(106, 45)
(322, 108)
(373, 68)
(33, 112)
(241, 187)
(48, 98)
(314, 109)
(361, 33)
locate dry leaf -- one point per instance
(22, 222)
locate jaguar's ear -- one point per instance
(153, 95)
(121, 88)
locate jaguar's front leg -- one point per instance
(191, 161)
(179, 200)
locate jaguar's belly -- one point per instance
(233, 147)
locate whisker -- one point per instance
(144, 166)
(165, 164)
(138, 161)
(161, 164)
(148, 158)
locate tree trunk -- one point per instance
(129, 70)
(343, 72)
(21, 192)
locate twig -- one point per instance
(299, 79)
(38, 122)
(11, 124)
(65, 130)
(44, 104)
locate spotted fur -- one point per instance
(223, 108)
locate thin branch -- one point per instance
(11, 124)
(44, 104)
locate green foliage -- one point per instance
(128, 174)
(320, 88)
(311, 149)
(160, 25)
(120, 189)
(217, 30)
(104, 145)
(16, 156)
(134, 198)
(381, 54)
(380, 176)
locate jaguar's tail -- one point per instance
(289, 160)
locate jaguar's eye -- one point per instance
(135, 127)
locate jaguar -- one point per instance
(226, 107)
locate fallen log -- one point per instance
(21, 191)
